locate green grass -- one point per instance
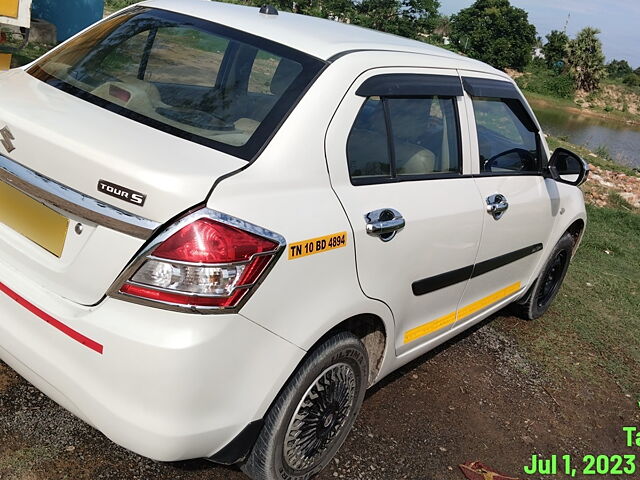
(544, 81)
(539, 82)
(616, 115)
(28, 54)
(556, 101)
(21, 462)
(111, 6)
(593, 327)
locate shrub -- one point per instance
(547, 82)
(537, 63)
(633, 80)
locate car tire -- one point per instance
(313, 414)
(547, 285)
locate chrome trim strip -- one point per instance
(68, 201)
(200, 264)
(189, 294)
(172, 306)
(147, 253)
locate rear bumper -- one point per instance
(166, 385)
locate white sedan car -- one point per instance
(219, 226)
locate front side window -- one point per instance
(195, 79)
(404, 138)
(507, 141)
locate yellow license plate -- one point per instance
(30, 218)
(9, 8)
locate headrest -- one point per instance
(409, 119)
(284, 76)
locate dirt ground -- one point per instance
(602, 182)
(475, 398)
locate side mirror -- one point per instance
(567, 167)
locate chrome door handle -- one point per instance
(384, 223)
(496, 205)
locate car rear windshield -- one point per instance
(195, 79)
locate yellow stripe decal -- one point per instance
(486, 301)
(446, 320)
(429, 327)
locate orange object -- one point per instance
(9, 8)
(5, 61)
(480, 471)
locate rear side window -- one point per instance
(396, 139)
(507, 144)
(367, 146)
(271, 74)
(195, 79)
(425, 137)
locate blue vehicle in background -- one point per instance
(70, 16)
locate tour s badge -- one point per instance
(122, 193)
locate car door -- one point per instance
(508, 155)
(395, 153)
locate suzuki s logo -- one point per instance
(6, 138)
(122, 193)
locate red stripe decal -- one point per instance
(78, 337)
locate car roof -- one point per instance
(315, 36)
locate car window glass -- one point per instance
(182, 55)
(165, 70)
(263, 70)
(505, 144)
(425, 137)
(367, 148)
(124, 60)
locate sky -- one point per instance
(618, 20)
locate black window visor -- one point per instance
(410, 85)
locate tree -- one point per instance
(585, 57)
(495, 32)
(633, 80)
(555, 50)
(407, 18)
(442, 26)
(619, 68)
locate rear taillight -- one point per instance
(207, 261)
